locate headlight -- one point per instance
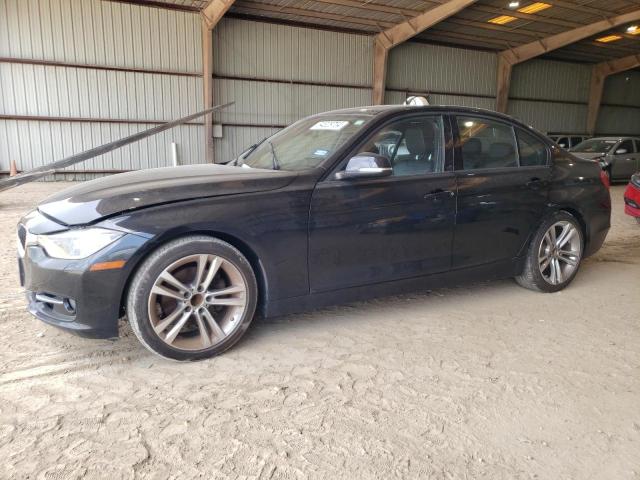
(76, 244)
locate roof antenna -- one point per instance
(416, 101)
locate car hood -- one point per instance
(96, 199)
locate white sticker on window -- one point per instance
(329, 125)
(320, 153)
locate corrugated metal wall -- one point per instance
(551, 80)
(277, 74)
(622, 89)
(97, 71)
(442, 72)
(251, 60)
(546, 94)
(620, 112)
(551, 96)
(84, 72)
(550, 117)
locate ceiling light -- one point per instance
(608, 38)
(502, 19)
(633, 30)
(515, 4)
(534, 7)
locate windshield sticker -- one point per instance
(357, 123)
(320, 153)
(329, 125)
(610, 141)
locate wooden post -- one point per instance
(504, 82)
(595, 97)
(207, 89)
(380, 55)
(211, 15)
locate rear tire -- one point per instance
(192, 298)
(554, 255)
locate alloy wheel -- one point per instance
(560, 252)
(197, 302)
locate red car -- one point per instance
(632, 197)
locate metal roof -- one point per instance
(186, 4)
(468, 28)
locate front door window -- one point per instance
(413, 146)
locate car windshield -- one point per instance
(306, 143)
(594, 145)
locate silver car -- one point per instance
(568, 141)
(620, 153)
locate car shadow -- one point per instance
(366, 310)
(447, 300)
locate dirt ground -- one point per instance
(490, 381)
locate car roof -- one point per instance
(614, 138)
(378, 110)
(553, 135)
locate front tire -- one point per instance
(192, 298)
(554, 254)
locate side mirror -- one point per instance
(621, 151)
(366, 165)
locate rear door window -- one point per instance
(532, 151)
(486, 144)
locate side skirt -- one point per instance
(492, 271)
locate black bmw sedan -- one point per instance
(337, 207)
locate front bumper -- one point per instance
(68, 295)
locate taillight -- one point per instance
(604, 178)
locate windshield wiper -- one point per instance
(247, 152)
(276, 164)
(244, 154)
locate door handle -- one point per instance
(438, 192)
(534, 182)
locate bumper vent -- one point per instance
(52, 306)
(22, 235)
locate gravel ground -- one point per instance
(490, 381)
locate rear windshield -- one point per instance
(594, 145)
